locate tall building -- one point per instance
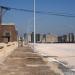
(42, 38)
(71, 37)
(37, 36)
(67, 38)
(50, 38)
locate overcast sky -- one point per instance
(44, 23)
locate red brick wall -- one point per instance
(8, 28)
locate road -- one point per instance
(23, 61)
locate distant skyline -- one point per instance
(44, 23)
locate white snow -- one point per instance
(64, 51)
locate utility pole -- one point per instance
(2, 11)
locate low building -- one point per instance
(8, 33)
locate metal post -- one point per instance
(34, 27)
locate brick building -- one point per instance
(8, 33)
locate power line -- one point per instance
(42, 12)
(2, 11)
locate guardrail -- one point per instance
(3, 45)
(6, 49)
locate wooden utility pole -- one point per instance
(2, 11)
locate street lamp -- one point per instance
(34, 27)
